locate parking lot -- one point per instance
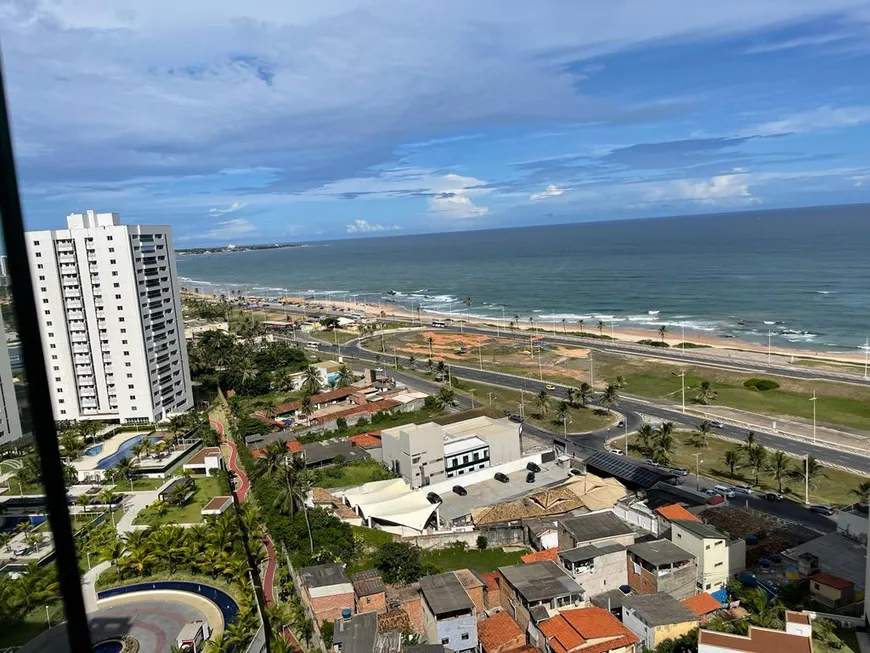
(491, 492)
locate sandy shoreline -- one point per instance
(618, 333)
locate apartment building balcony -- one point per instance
(81, 349)
(72, 294)
(66, 258)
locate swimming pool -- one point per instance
(96, 450)
(109, 646)
(126, 449)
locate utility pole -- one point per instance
(697, 471)
(769, 334)
(480, 356)
(472, 398)
(683, 336)
(591, 371)
(625, 422)
(490, 398)
(814, 399)
(807, 479)
(682, 376)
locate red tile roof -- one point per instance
(572, 629)
(831, 580)
(676, 512)
(793, 617)
(320, 398)
(490, 580)
(366, 440)
(372, 407)
(497, 630)
(702, 604)
(759, 640)
(292, 446)
(538, 556)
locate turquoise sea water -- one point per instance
(804, 274)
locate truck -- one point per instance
(192, 636)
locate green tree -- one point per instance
(757, 460)
(446, 396)
(814, 470)
(733, 458)
(311, 382)
(609, 397)
(663, 447)
(306, 407)
(780, 467)
(601, 326)
(399, 562)
(585, 393)
(562, 411)
(705, 393)
(345, 376)
(72, 443)
(542, 403)
(862, 492)
(646, 434)
(702, 434)
(663, 329)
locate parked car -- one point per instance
(461, 491)
(616, 452)
(530, 477)
(501, 478)
(519, 419)
(680, 471)
(433, 498)
(743, 488)
(533, 467)
(650, 461)
(773, 496)
(712, 492)
(715, 500)
(822, 510)
(725, 491)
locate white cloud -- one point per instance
(551, 191)
(454, 200)
(719, 189)
(364, 227)
(801, 42)
(226, 231)
(235, 206)
(819, 119)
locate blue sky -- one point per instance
(270, 121)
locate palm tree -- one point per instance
(430, 340)
(306, 407)
(571, 396)
(750, 440)
(311, 382)
(429, 365)
(733, 458)
(585, 392)
(542, 402)
(646, 435)
(283, 379)
(601, 326)
(112, 551)
(663, 447)
(580, 322)
(562, 411)
(663, 329)
(666, 428)
(621, 382)
(445, 397)
(83, 501)
(609, 397)
(123, 469)
(468, 301)
(411, 360)
(705, 393)
(139, 449)
(273, 460)
(862, 492)
(72, 444)
(757, 459)
(702, 433)
(34, 539)
(780, 467)
(218, 644)
(345, 376)
(813, 470)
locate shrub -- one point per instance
(341, 424)
(482, 542)
(760, 385)
(362, 421)
(653, 343)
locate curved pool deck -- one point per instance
(110, 448)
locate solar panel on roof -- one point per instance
(624, 469)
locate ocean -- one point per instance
(803, 274)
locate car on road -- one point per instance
(822, 510)
(650, 461)
(501, 478)
(433, 497)
(621, 423)
(519, 419)
(712, 492)
(773, 496)
(616, 452)
(716, 424)
(743, 488)
(680, 471)
(533, 467)
(461, 491)
(530, 477)
(379, 369)
(715, 500)
(550, 387)
(725, 491)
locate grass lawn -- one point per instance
(25, 488)
(140, 484)
(580, 419)
(33, 624)
(336, 335)
(850, 639)
(206, 489)
(834, 488)
(839, 404)
(397, 419)
(350, 474)
(453, 558)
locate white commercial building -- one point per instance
(110, 319)
(10, 425)
(426, 454)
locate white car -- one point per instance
(743, 488)
(725, 491)
(618, 452)
(712, 493)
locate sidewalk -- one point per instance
(89, 590)
(135, 502)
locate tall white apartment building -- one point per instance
(110, 319)
(10, 424)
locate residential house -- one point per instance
(602, 527)
(597, 567)
(587, 630)
(546, 554)
(655, 618)
(407, 599)
(360, 634)
(500, 634)
(205, 461)
(319, 454)
(474, 586)
(327, 590)
(671, 513)
(832, 591)
(449, 615)
(534, 592)
(704, 605)
(491, 590)
(543, 533)
(717, 556)
(370, 593)
(797, 638)
(661, 566)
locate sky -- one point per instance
(271, 121)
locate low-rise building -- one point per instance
(704, 605)
(592, 630)
(597, 567)
(718, 557)
(797, 638)
(602, 527)
(500, 634)
(832, 591)
(661, 566)
(370, 593)
(328, 591)
(449, 615)
(408, 600)
(360, 634)
(655, 618)
(474, 586)
(534, 592)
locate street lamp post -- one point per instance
(682, 376)
(769, 334)
(480, 356)
(591, 371)
(866, 351)
(682, 336)
(807, 479)
(472, 398)
(814, 399)
(490, 398)
(625, 423)
(698, 462)
(88, 554)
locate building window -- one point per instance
(368, 600)
(445, 640)
(112, 261)
(464, 636)
(718, 564)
